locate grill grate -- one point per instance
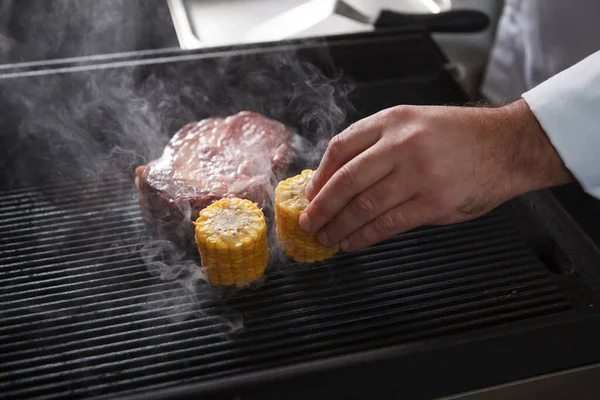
(81, 314)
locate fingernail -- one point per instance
(323, 239)
(304, 222)
(344, 245)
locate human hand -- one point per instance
(409, 166)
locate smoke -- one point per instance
(97, 125)
(279, 86)
(6, 43)
(51, 29)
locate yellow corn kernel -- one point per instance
(290, 201)
(231, 235)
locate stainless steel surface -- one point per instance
(292, 22)
(346, 10)
(210, 23)
(183, 28)
(299, 19)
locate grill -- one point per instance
(83, 314)
(93, 305)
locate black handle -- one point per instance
(457, 21)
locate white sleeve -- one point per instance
(568, 109)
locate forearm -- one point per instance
(533, 162)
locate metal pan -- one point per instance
(209, 23)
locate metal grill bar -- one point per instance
(467, 292)
(175, 369)
(41, 202)
(59, 215)
(81, 314)
(16, 256)
(412, 285)
(60, 187)
(49, 293)
(74, 228)
(180, 348)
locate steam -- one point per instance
(97, 126)
(42, 29)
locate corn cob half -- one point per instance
(232, 239)
(290, 201)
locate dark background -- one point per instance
(34, 30)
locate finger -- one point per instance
(365, 207)
(404, 217)
(350, 180)
(342, 148)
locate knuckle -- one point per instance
(417, 137)
(402, 109)
(363, 205)
(316, 178)
(317, 209)
(386, 223)
(335, 146)
(397, 144)
(347, 176)
(353, 126)
(387, 113)
(413, 140)
(396, 111)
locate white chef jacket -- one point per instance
(546, 52)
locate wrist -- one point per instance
(533, 162)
